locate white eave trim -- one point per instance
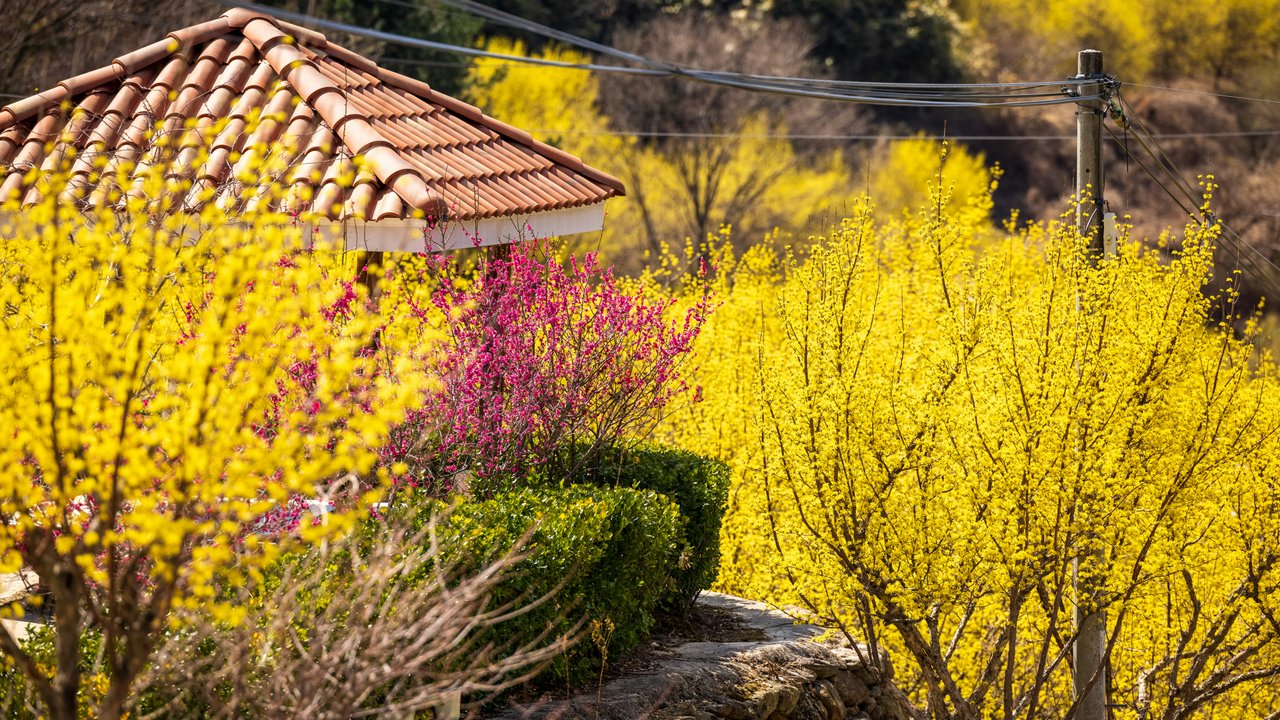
(416, 236)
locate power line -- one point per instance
(419, 43)
(870, 136)
(1171, 171)
(917, 95)
(1191, 208)
(1166, 88)
(912, 95)
(523, 62)
(1159, 154)
(1190, 213)
(958, 95)
(516, 22)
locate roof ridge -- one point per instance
(239, 17)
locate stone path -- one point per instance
(14, 587)
(781, 673)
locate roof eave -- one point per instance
(417, 235)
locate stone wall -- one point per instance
(797, 680)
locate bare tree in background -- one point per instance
(698, 126)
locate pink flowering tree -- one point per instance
(544, 363)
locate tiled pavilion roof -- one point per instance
(246, 80)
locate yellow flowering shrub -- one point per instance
(1161, 38)
(930, 422)
(170, 379)
(904, 175)
(557, 105)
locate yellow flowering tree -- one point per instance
(750, 177)
(931, 424)
(170, 379)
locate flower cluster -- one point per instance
(538, 353)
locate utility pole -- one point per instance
(1089, 657)
(1089, 186)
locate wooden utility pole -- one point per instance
(1089, 657)
(1089, 185)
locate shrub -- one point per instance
(602, 554)
(937, 435)
(19, 701)
(371, 622)
(536, 354)
(376, 622)
(698, 485)
(173, 377)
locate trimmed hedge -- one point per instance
(609, 555)
(612, 548)
(698, 485)
(603, 554)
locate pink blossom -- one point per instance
(540, 355)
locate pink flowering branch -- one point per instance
(541, 357)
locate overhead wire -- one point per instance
(1190, 213)
(1026, 94)
(915, 95)
(890, 99)
(518, 23)
(1265, 279)
(1161, 156)
(936, 95)
(517, 61)
(908, 94)
(867, 136)
(394, 38)
(1166, 88)
(1268, 282)
(1148, 142)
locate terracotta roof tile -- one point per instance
(89, 80)
(350, 139)
(10, 141)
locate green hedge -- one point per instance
(604, 554)
(698, 485)
(613, 548)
